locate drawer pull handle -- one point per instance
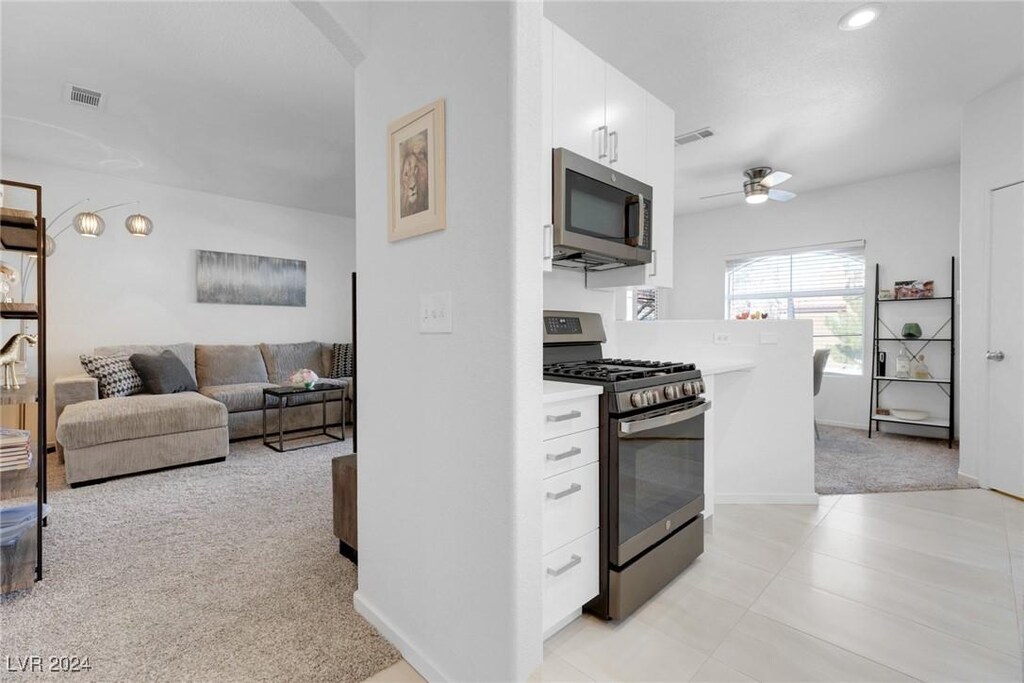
(576, 559)
(575, 450)
(571, 415)
(574, 488)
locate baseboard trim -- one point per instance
(766, 499)
(410, 652)
(849, 425)
(973, 480)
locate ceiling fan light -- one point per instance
(860, 17)
(757, 198)
(89, 224)
(138, 225)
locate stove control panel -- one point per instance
(670, 392)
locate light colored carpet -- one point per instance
(847, 461)
(222, 572)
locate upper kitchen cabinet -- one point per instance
(661, 169)
(626, 123)
(578, 98)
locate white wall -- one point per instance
(760, 430)
(992, 156)
(119, 289)
(449, 482)
(910, 224)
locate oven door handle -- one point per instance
(634, 426)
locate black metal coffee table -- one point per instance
(282, 395)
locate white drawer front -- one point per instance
(568, 417)
(569, 452)
(570, 506)
(570, 578)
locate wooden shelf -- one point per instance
(910, 379)
(928, 422)
(28, 393)
(24, 231)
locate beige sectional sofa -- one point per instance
(102, 438)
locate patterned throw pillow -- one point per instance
(342, 361)
(116, 375)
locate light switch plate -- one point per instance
(722, 338)
(436, 313)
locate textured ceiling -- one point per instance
(244, 99)
(782, 86)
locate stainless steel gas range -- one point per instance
(651, 460)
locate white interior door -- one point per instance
(1005, 366)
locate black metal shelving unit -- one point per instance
(916, 347)
(27, 238)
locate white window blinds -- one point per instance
(823, 283)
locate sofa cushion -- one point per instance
(238, 397)
(114, 374)
(108, 420)
(163, 373)
(185, 351)
(229, 364)
(283, 360)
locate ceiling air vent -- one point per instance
(694, 136)
(76, 94)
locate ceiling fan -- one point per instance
(759, 186)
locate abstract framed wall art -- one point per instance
(416, 173)
(226, 278)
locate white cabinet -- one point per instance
(547, 143)
(624, 115)
(578, 97)
(596, 111)
(570, 499)
(661, 168)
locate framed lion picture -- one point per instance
(416, 174)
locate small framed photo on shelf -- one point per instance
(915, 289)
(416, 173)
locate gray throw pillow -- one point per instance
(114, 374)
(163, 374)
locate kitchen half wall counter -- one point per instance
(760, 430)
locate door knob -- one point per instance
(995, 355)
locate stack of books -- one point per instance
(15, 449)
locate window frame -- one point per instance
(853, 249)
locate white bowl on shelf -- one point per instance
(907, 414)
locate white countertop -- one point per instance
(722, 367)
(565, 391)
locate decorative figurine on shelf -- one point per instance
(8, 278)
(9, 356)
(911, 331)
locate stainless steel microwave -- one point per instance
(602, 218)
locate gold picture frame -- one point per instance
(416, 173)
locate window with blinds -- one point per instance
(642, 304)
(822, 283)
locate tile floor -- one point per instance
(880, 587)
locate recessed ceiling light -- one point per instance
(860, 17)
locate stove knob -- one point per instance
(670, 392)
(700, 386)
(636, 399)
(653, 397)
(688, 389)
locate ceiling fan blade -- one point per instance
(775, 178)
(722, 194)
(781, 195)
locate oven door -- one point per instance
(656, 477)
(600, 211)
